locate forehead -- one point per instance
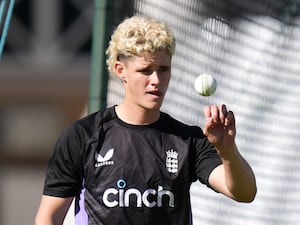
(154, 58)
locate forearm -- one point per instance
(235, 177)
(239, 177)
(44, 219)
(47, 221)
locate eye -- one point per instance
(149, 70)
(164, 69)
(146, 71)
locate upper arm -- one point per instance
(52, 210)
(217, 180)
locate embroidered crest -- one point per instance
(172, 161)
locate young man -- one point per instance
(132, 164)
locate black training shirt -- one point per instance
(124, 174)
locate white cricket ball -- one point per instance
(205, 85)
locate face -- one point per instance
(146, 79)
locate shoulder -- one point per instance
(87, 126)
(178, 127)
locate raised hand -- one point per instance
(219, 127)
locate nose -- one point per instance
(155, 78)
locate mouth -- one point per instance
(155, 93)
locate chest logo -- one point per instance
(104, 160)
(172, 161)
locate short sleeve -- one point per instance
(206, 159)
(64, 173)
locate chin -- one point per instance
(153, 107)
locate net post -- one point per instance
(6, 22)
(99, 74)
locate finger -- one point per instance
(223, 113)
(229, 119)
(215, 113)
(208, 120)
(209, 124)
(207, 112)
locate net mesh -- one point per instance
(253, 50)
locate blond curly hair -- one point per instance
(137, 35)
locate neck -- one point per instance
(136, 115)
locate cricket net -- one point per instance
(253, 50)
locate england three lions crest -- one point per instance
(172, 161)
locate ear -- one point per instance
(120, 70)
